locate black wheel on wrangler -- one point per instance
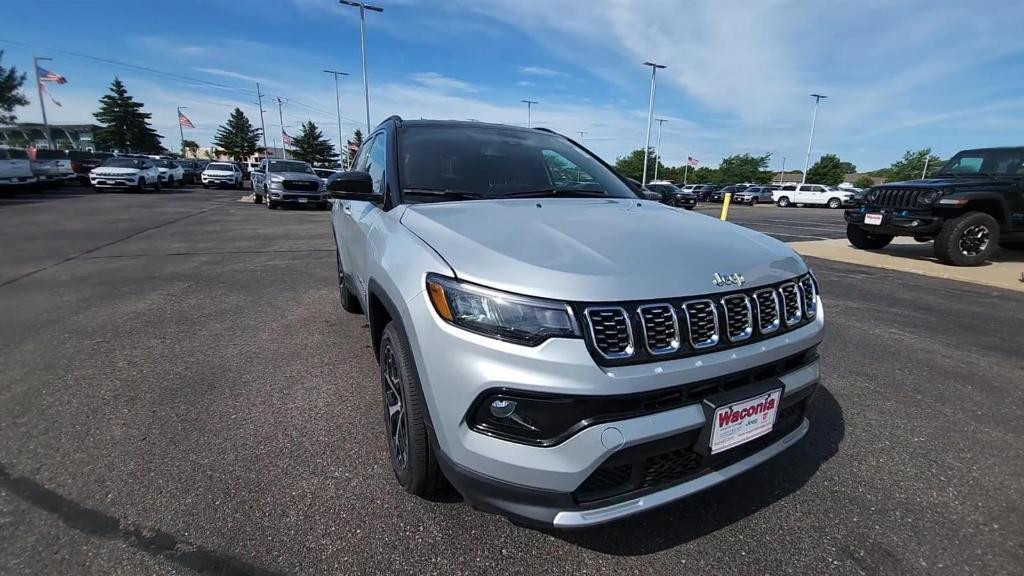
(348, 300)
(783, 201)
(865, 240)
(967, 240)
(412, 458)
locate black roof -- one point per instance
(462, 123)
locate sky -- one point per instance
(899, 74)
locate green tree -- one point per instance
(827, 170)
(10, 92)
(311, 146)
(848, 167)
(353, 145)
(238, 138)
(702, 175)
(632, 165)
(744, 168)
(125, 125)
(912, 164)
(191, 146)
(864, 182)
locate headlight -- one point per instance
(928, 197)
(872, 195)
(508, 317)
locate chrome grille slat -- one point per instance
(701, 323)
(610, 331)
(739, 324)
(661, 328)
(768, 317)
(791, 306)
(810, 297)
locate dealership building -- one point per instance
(77, 136)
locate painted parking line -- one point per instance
(774, 225)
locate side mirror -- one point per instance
(351, 186)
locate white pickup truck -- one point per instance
(15, 168)
(812, 195)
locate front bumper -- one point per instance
(286, 197)
(219, 182)
(113, 182)
(541, 484)
(686, 201)
(901, 223)
(17, 180)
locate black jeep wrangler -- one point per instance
(974, 203)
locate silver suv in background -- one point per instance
(51, 166)
(288, 182)
(538, 345)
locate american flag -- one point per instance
(691, 161)
(42, 88)
(288, 140)
(184, 121)
(48, 76)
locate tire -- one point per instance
(170, 181)
(834, 203)
(783, 201)
(157, 187)
(238, 185)
(967, 240)
(257, 198)
(689, 207)
(206, 186)
(141, 185)
(753, 202)
(412, 458)
(349, 303)
(865, 240)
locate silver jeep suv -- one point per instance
(560, 351)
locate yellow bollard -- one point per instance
(725, 205)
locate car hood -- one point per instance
(596, 249)
(939, 182)
(294, 176)
(111, 170)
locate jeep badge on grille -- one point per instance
(730, 279)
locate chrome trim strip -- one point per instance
(778, 311)
(579, 519)
(689, 323)
(749, 331)
(628, 352)
(799, 305)
(810, 300)
(676, 341)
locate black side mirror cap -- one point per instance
(351, 186)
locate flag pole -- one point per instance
(181, 132)
(686, 168)
(42, 105)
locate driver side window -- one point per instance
(376, 160)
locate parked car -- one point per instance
(242, 167)
(171, 172)
(500, 298)
(672, 196)
(190, 171)
(220, 174)
(121, 172)
(754, 195)
(82, 162)
(51, 167)
(719, 195)
(703, 191)
(324, 173)
(291, 182)
(689, 187)
(15, 168)
(972, 205)
(812, 195)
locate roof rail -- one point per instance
(548, 130)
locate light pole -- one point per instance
(782, 173)
(337, 103)
(42, 106)
(263, 126)
(814, 120)
(284, 137)
(529, 112)
(650, 116)
(363, 7)
(181, 131)
(657, 157)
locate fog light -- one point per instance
(915, 223)
(503, 408)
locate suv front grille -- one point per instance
(678, 328)
(898, 197)
(611, 332)
(300, 185)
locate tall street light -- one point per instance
(363, 7)
(657, 158)
(814, 118)
(529, 111)
(337, 103)
(650, 115)
(263, 126)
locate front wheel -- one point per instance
(753, 201)
(864, 240)
(834, 203)
(412, 458)
(142, 185)
(256, 198)
(967, 240)
(783, 202)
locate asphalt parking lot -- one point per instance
(180, 391)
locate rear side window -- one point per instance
(376, 160)
(79, 155)
(47, 154)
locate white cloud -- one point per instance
(540, 71)
(442, 83)
(231, 74)
(524, 83)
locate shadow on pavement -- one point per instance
(924, 251)
(16, 197)
(149, 540)
(728, 502)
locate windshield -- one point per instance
(121, 163)
(1002, 162)
(495, 162)
(79, 155)
(288, 166)
(217, 166)
(46, 154)
(17, 154)
(166, 164)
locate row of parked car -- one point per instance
(688, 195)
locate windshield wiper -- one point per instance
(446, 193)
(554, 192)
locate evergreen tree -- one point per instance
(353, 146)
(191, 146)
(10, 95)
(827, 170)
(125, 125)
(238, 138)
(311, 146)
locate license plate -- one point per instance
(744, 421)
(303, 200)
(873, 219)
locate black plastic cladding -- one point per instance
(686, 349)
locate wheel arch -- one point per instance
(993, 206)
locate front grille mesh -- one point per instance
(611, 332)
(301, 185)
(898, 197)
(790, 303)
(809, 294)
(661, 329)
(702, 321)
(767, 310)
(739, 324)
